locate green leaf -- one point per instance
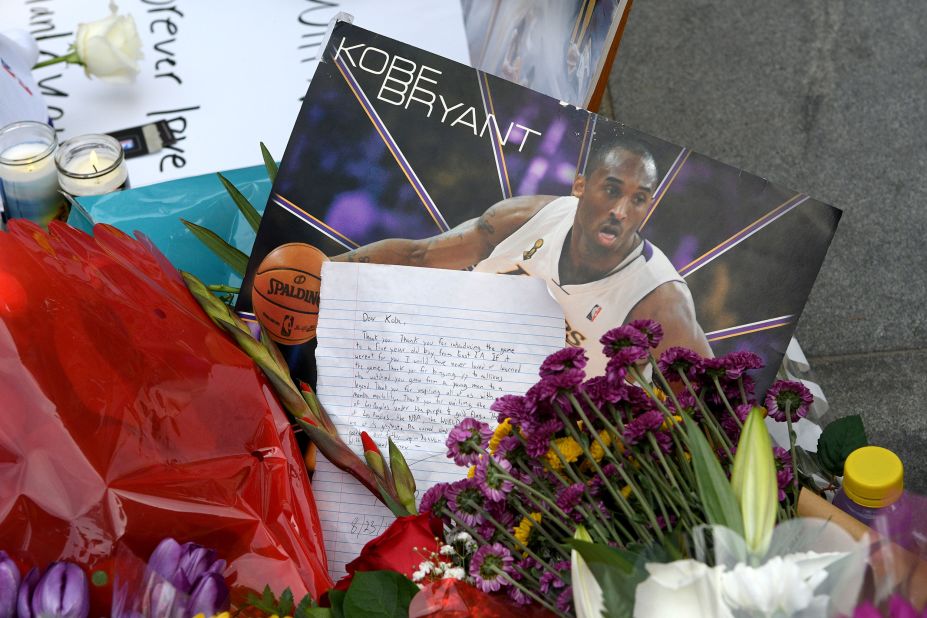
(617, 572)
(226, 252)
(840, 438)
(617, 590)
(269, 163)
(266, 602)
(595, 553)
(250, 212)
(379, 594)
(307, 608)
(715, 491)
(285, 606)
(336, 600)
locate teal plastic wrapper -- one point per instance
(156, 211)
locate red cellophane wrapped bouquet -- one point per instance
(128, 417)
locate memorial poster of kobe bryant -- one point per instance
(401, 156)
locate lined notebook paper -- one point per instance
(407, 353)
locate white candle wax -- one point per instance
(91, 163)
(30, 190)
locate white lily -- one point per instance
(587, 594)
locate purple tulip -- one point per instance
(62, 592)
(24, 598)
(9, 586)
(210, 596)
(164, 560)
(197, 561)
(183, 565)
(185, 576)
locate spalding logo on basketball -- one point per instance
(285, 292)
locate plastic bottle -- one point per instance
(873, 492)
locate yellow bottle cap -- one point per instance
(873, 477)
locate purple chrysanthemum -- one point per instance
(466, 501)
(664, 441)
(675, 360)
(625, 357)
(488, 565)
(518, 596)
(570, 496)
(784, 471)
(651, 329)
(511, 407)
(563, 360)
(714, 368)
(622, 337)
(537, 440)
(492, 476)
(511, 449)
(616, 371)
(466, 440)
(788, 395)
(602, 390)
(635, 430)
(565, 600)
(731, 427)
(738, 363)
(435, 499)
(553, 580)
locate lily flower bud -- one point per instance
(753, 479)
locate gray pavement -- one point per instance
(828, 97)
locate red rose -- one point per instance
(393, 550)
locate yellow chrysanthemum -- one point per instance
(659, 393)
(222, 615)
(667, 423)
(568, 447)
(595, 448)
(503, 429)
(626, 491)
(522, 531)
(471, 472)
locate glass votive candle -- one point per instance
(91, 165)
(28, 177)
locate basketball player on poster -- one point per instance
(586, 247)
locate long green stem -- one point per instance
(710, 420)
(642, 498)
(595, 523)
(727, 404)
(619, 499)
(788, 422)
(71, 58)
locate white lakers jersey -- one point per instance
(592, 308)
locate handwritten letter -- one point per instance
(407, 353)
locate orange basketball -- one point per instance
(285, 292)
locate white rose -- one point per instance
(681, 589)
(110, 48)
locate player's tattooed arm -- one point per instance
(354, 256)
(460, 247)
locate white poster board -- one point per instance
(226, 74)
